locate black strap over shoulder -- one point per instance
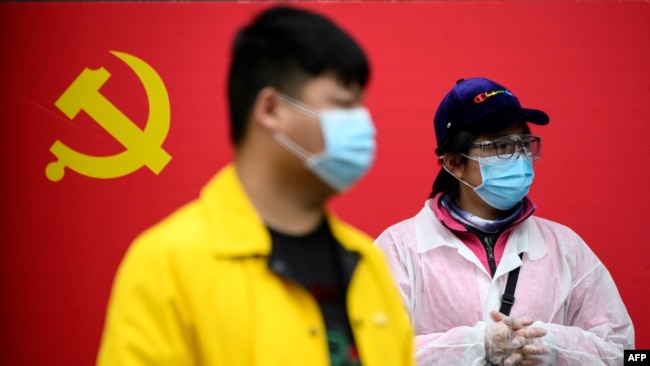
(508, 297)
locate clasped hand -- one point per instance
(510, 341)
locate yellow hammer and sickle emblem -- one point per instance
(141, 147)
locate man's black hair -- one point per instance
(284, 47)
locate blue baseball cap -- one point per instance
(480, 106)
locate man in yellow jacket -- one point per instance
(257, 271)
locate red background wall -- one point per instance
(584, 63)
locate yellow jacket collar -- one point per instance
(237, 228)
(239, 231)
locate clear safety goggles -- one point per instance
(508, 147)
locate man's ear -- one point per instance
(264, 111)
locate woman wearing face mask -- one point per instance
(485, 281)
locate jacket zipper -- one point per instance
(487, 241)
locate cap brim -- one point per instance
(504, 118)
(534, 116)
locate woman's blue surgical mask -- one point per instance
(505, 181)
(349, 137)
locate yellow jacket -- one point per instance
(196, 289)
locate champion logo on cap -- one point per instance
(483, 96)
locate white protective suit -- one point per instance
(449, 292)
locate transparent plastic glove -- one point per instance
(500, 337)
(509, 341)
(532, 353)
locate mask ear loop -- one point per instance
(293, 147)
(298, 106)
(285, 141)
(444, 166)
(441, 158)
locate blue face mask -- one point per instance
(505, 181)
(349, 137)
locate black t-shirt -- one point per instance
(313, 261)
